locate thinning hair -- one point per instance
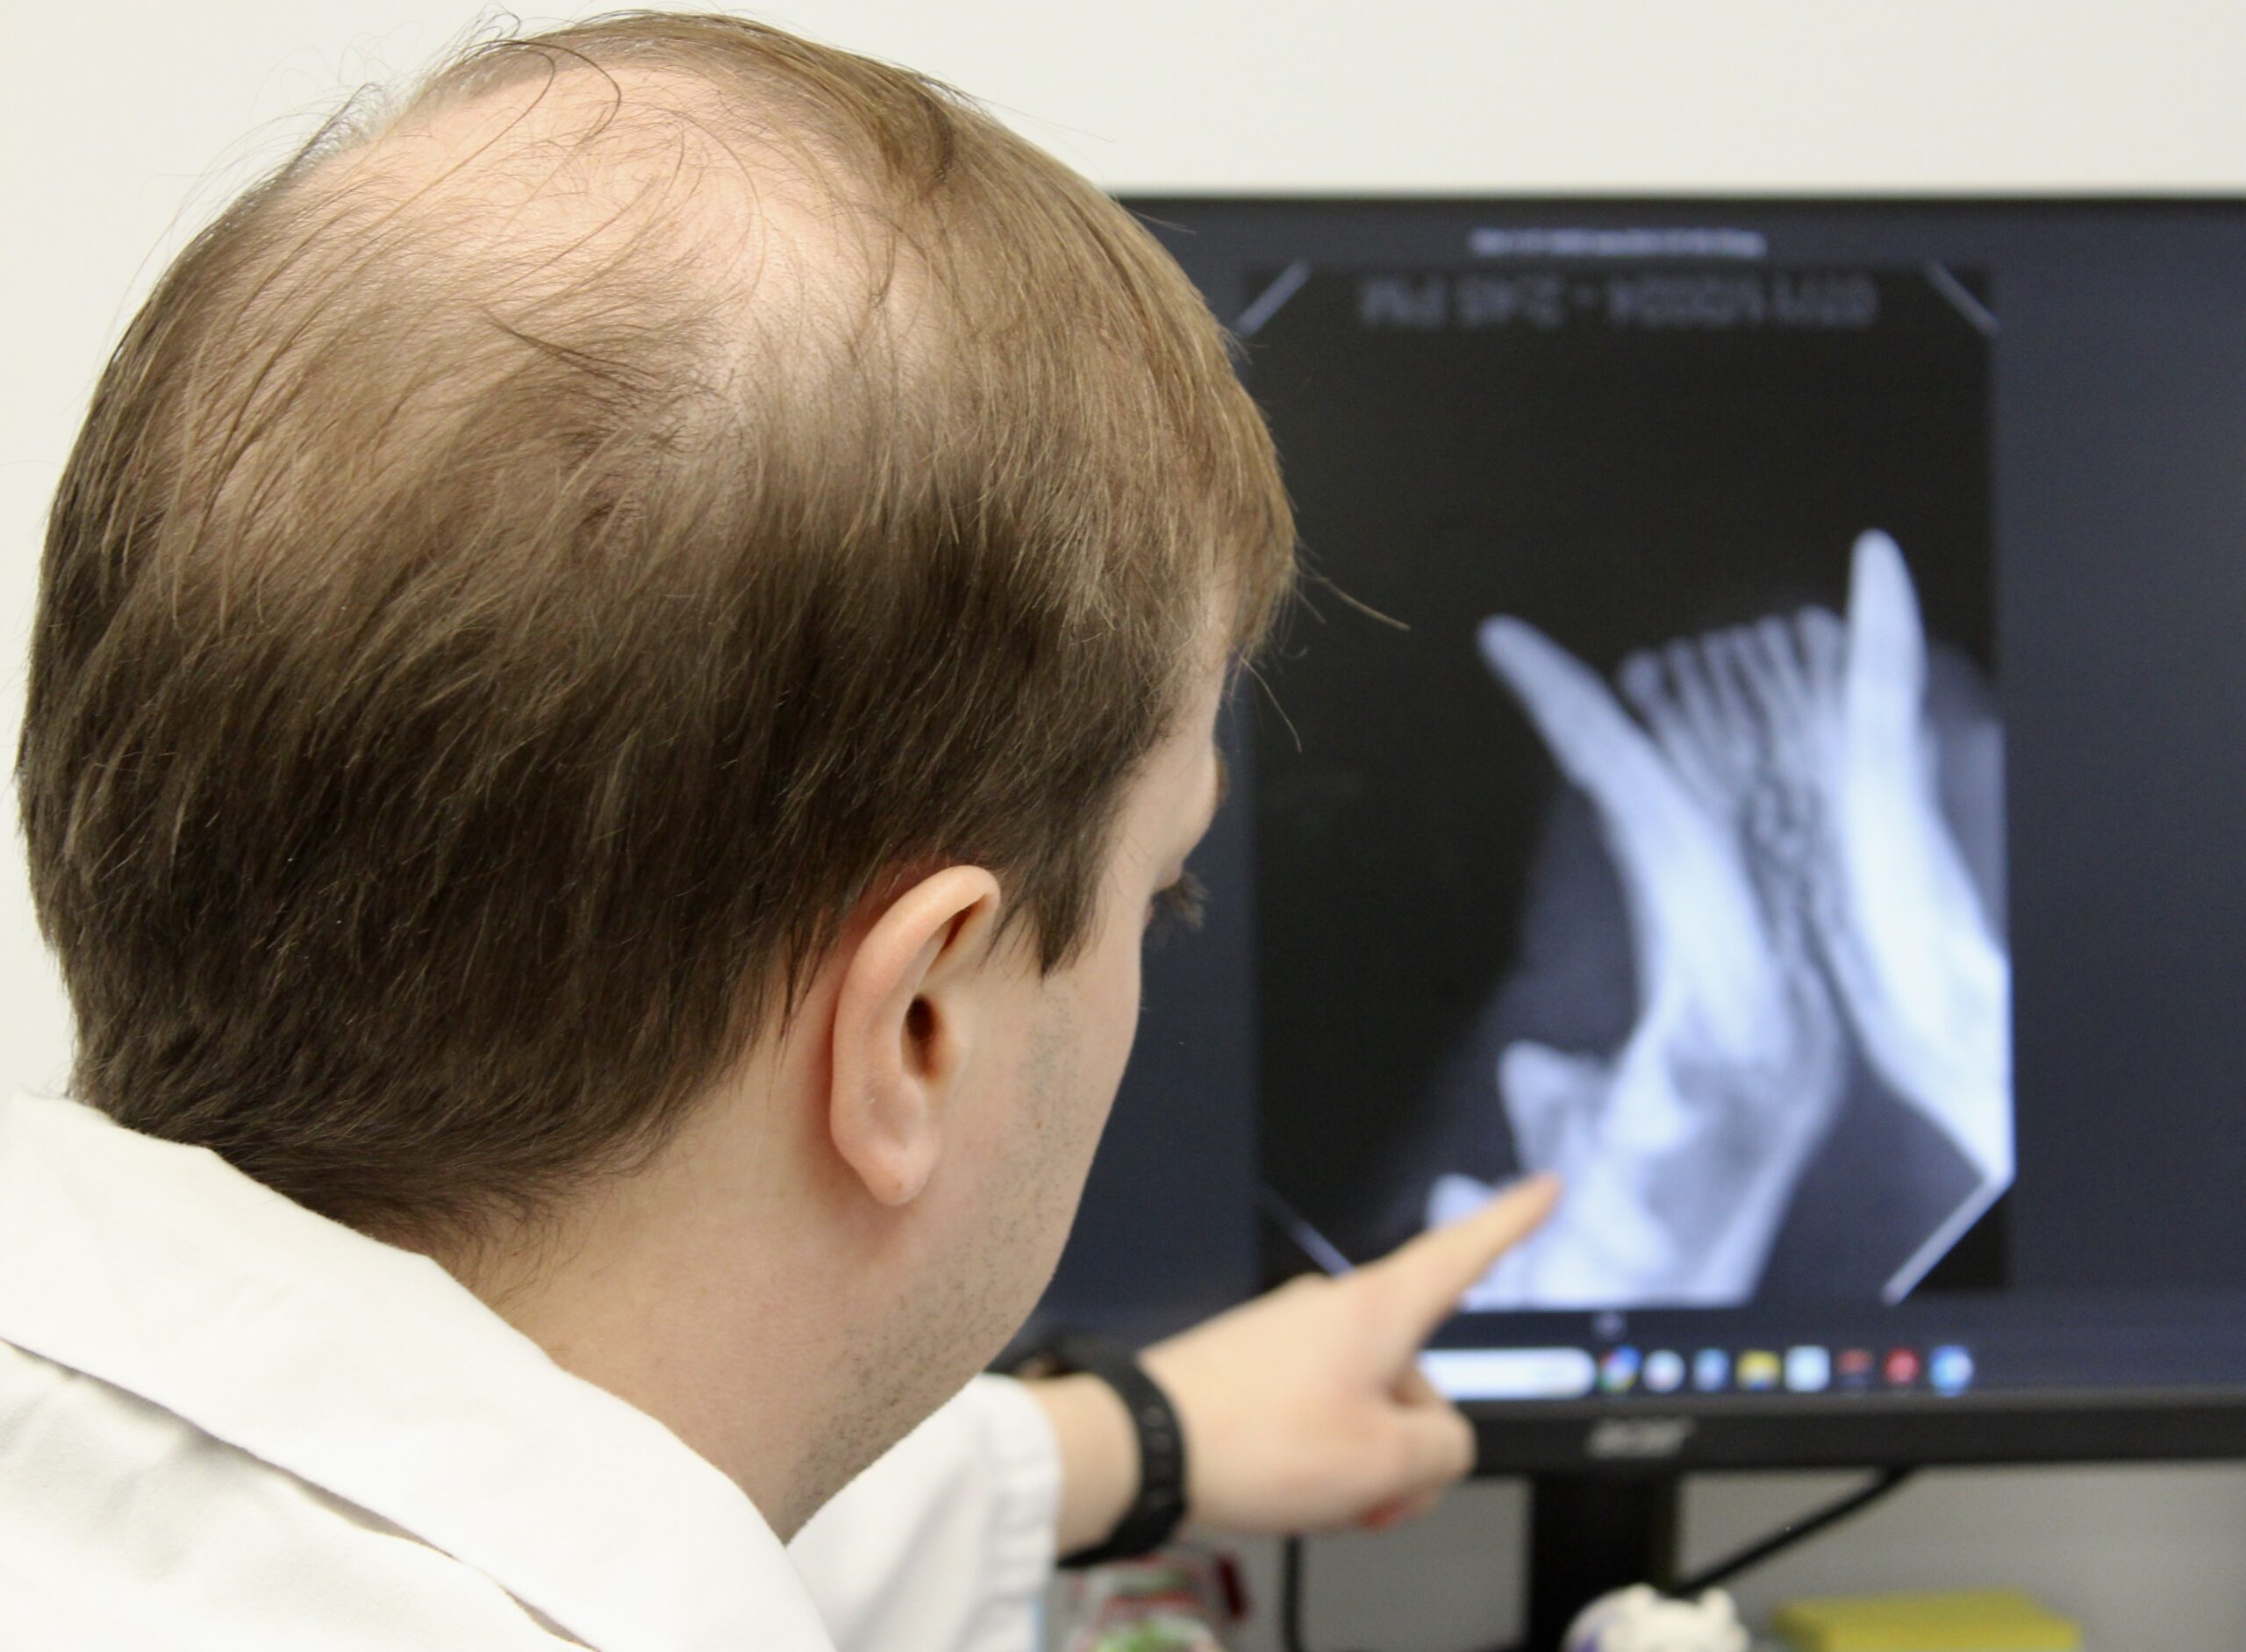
(544, 557)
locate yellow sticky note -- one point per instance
(1974, 1620)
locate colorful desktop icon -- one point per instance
(1664, 1371)
(1618, 1372)
(1854, 1369)
(1950, 1370)
(1809, 1371)
(1711, 1370)
(1902, 1368)
(1758, 1370)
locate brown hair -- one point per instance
(494, 630)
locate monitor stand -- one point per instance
(1589, 1534)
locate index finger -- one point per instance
(1429, 1274)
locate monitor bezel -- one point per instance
(1639, 1437)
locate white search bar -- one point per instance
(1511, 1373)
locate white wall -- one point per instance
(121, 124)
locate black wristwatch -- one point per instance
(1159, 1509)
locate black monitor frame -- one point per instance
(1605, 1473)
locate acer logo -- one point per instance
(1639, 1437)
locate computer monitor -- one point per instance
(1766, 737)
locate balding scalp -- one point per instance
(542, 559)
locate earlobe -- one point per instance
(904, 1022)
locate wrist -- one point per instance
(1142, 1468)
(1099, 1457)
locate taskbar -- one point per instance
(1667, 1362)
(1802, 1367)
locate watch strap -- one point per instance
(1159, 1509)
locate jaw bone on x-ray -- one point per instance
(1791, 885)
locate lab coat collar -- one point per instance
(369, 1371)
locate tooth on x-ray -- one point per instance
(1920, 964)
(1691, 902)
(1681, 1151)
(1791, 885)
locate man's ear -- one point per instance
(904, 1022)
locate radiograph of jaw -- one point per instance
(1681, 1149)
(1774, 827)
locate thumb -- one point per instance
(1424, 1278)
(1438, 1450)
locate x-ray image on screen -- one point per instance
(1657, 836)
(1792, 887)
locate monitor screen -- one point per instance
(1764, 737)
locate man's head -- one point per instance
(671, 532)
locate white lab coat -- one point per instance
(228, 1423)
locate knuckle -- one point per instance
(1464, 1449)
(1372, 1295)
(1402, 1457)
